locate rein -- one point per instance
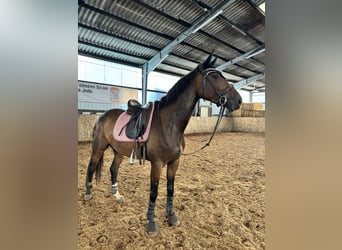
(213, 133)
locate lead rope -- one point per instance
(212, 135)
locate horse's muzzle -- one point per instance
(233, 103)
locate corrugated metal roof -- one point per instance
(259, 31)
(176, 9)
(132, 32)
(104, 53)
(113, 43)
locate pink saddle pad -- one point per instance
(122, 121)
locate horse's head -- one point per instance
(215, 88)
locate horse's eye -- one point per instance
(215, 76)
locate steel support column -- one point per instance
(144, 84)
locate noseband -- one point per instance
(222, 99)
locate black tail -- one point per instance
(96, 152)
(98, 168)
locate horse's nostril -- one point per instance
(240, 101)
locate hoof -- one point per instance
(173, 220)
(87, 197)
(152, 228)
(119, 198)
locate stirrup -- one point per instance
(133, 157)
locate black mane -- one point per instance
(177, 89)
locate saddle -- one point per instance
(136, 128)
(137, 124)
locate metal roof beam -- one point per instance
(97, 30)
(259, 90)
(92, 8)
(246, 55)
(224, 59)
(130, 41)
(232, 24)
(199, 23)
(187, 25)
(107, 14)
(106, 58)
(109, 49)
(80, 41)
(207, 7)
(245, 82)
(253, 4)
(242, 31)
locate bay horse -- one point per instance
(166, 140)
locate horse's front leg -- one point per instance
(152, 227)
(170, 175)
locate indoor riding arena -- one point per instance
(197, 70)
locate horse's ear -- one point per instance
(213, 62)
(208, 62)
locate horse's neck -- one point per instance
(177, 115)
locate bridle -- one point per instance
(222, 99)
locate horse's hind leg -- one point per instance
(170, 174)
(114, 170)
(99, 145)
(95, 162)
